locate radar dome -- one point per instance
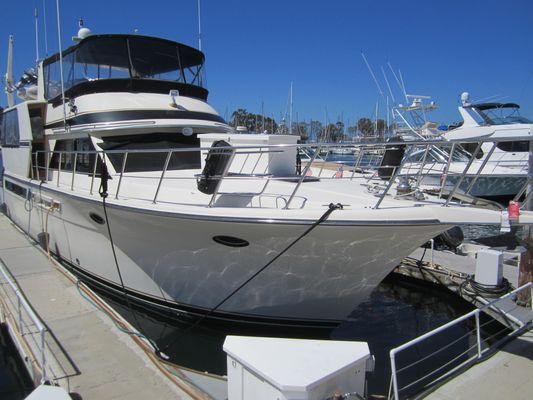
(84, 32)
(465, 97)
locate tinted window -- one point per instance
(147, 160)
(515, 147)
(10, 129)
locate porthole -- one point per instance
(97, 218)
(230, 241)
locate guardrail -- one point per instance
(457, 361)
(22, 304)
(366, 156)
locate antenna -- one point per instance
(388, 85)
(372, 73)
(199, 28)
(9, 74)
(36, 36)
(45, 32)
(61, 66)
(398, 81)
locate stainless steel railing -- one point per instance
(23, 305)
(445, 369)
(366, 157)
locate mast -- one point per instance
(9, 74)
(61, 66)
(290, 112)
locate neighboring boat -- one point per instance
(500, 166)
(134, 182)
(506, 136)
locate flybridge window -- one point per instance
(10, 135)
(149, 152)
(104, 57)
(503, 116)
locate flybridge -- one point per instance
(104, 63)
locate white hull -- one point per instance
(173, 260)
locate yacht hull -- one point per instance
(177, 260)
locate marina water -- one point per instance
(397, 311)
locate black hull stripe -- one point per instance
(128, 115)
(182, 310)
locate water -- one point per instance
(15, 383)
(398, 310)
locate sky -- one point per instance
(255, 49)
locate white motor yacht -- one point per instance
(115, 161)
(505, 147)
(492, 142)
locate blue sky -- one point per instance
(254, 49)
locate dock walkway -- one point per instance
(508, 373)
(86, 353)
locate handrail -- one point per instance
(22, 302)
(475, 313)
(364, 148)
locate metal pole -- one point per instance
(61, 67)
(525, 271)
(43, 357)
(394, 377)
(199, 28)
(478, 335)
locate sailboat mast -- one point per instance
(290, 112)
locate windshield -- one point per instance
(502, 116)
(124, 57)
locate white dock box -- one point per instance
(489, 267)
(262, 368)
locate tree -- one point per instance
(253, 122)
(365, 126)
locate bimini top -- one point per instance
(489, 106)
(493, 114)
(133, 63)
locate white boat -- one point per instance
(499, 167)
(505, 147)
(106, 162)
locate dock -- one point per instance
(87, 352)
(507, 370)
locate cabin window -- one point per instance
(518, 146)
(149, 152)
(10, 129)
(78, 151)
(17, 189)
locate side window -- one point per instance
(10, 129)
(80, 151)
(515, 147)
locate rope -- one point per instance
(332, 207)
